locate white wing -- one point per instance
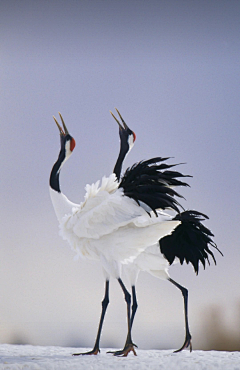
(104, 210)
(110, 225)
(104, 214)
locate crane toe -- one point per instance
(125, 351)
(94, 351)
(187, 343)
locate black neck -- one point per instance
(118, 166)
(54, 176)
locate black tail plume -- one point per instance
(190, 241)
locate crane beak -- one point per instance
(63, 131)
(125, 126)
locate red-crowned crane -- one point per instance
(189, 241)
(111, 225)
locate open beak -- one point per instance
(63, 131)
(125, 126)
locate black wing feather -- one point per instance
(151, 182)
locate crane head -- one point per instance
(67, 141)
(127, 136)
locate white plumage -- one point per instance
(151, 261)
(108, 225)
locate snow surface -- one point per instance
(14, 357)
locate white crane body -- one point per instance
(109, 226)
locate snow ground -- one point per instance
(24, 357)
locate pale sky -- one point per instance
(172, 70)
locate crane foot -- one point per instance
(94, 351)
(125, 351)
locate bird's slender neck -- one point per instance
(118, 166)
(54, 176)
(61, 204)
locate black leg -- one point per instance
(105, 302)
(188, 337)
(134, 304)
(129, 345)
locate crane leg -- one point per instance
(129, 345)
(105, 303)
(187, 343)
(134, 304)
